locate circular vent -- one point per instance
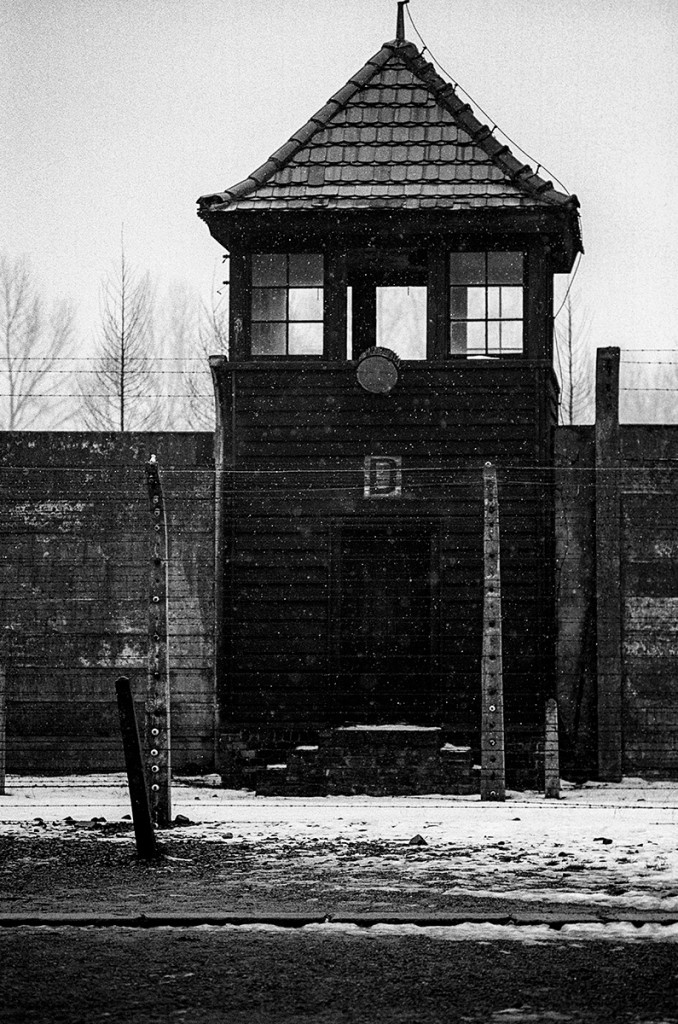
(378, 370)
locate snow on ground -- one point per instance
(612, 842)
(612, 931)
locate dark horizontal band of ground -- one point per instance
(553, 920)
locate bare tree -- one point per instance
(192, 332)
(34, 339)
(213, 341)
(121, 391)
(576, 365)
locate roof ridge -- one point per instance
(482, 135)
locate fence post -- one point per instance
(3, 728)
(157, 732)
(141, 813)
(551, 752)
(608, 566)
(493, 768)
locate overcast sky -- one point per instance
(127, 110)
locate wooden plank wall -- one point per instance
(74, 519)
(295, 482)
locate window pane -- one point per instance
(504, 268)
(493, 337)
(269, 268)
(467, 268)
(268, 339)
(401, 320)
(512, 336)
(458, 304)
(493, 303)
(476, 303)
(476, 339)
(512, 303)
(268, 303)
(306, 303)
(306, 340)
(458, 339)
(306, 270)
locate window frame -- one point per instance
(286, 321)
(487, 353)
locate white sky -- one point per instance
(127, 110)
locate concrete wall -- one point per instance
(649, 553)
(646, 476)
(575, 593)
(74, 585)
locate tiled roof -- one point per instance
(395, 135)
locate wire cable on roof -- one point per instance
(478, 106)
(569, 287)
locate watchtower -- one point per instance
(391, 283)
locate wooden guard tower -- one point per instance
(390, 332)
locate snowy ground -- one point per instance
(615, 845)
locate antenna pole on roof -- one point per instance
(400, 24)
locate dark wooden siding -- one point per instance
(295, 442)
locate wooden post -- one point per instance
(3, 728)
(157, 738)
(493, 770)
(608, 566)
(551, 753)
(141, 812)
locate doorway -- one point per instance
(386, 607)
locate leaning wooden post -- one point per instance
(141, 813)
(551, 754)
(493, 769)
(157, 732)
(3, 728)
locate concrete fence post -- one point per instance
(3, 728)
(157, 732)
(493, 765)
(551, 752)
(608, 566)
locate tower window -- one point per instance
(287, 304)
(486, 303)
(401, 320)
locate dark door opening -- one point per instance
(386, 621)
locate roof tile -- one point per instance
(344, 94)
(389, 76)
(305, 132)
